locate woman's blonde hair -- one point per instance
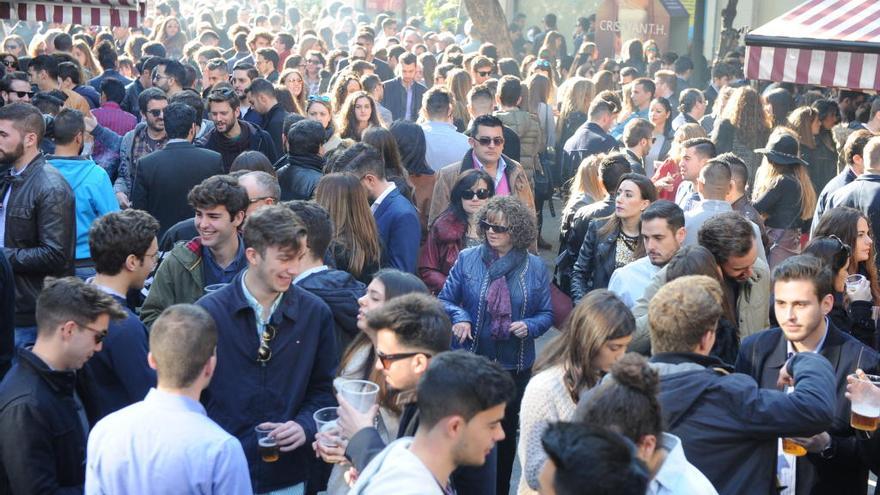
(576, 95)
(769, 174)
(354, 225)
(599, 317)
(90, 63)
(801, 122)
(586, 181)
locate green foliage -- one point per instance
(437, 13)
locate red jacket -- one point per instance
(445, 240)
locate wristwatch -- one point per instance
(829, 451)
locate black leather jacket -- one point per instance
(595, 262)
(40, 237)
(299, 178)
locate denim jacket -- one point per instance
(464, 296)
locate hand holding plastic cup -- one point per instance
(853, 282)
(325, 420)
(267, 446)
(864, 395)
(361, 394)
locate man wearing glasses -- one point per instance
(15, 87)
(486, 140)
(43, 423)
(124, 248)
(277, 353)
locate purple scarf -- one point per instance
(498, 297)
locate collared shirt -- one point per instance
(502, 187)
(113, 117)
(385, 193)
(409, 99)
(216, 274)
(687, 196)
(308, 272)
(676, 475)
(176, 140)
(443, 144)
(629, 281)
(168, 434)
(258, 308)
(6, 203)
(791, 351)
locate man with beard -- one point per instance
(243, 75)
(731, 240)
(215, 257)
(803, 294)
(662, 226)
(37, 222)
(277, 353)
(231, 136)
(15, 87)
(169, 76)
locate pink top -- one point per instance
(502, 186)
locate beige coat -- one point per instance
(531, 139)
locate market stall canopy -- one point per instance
(830, 43)
(128, 13)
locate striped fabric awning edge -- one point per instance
(96, 13)
(831, 43)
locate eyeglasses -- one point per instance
(486, 73)
(156, 113)
(264, 354)
(316, 62)
(486, 141)
(22, 94)
(321, 98)
(153, 256)
(12, 47)
(9, 62)
(158, 76)
(479, 193)
(387, 359)
(498, 229)
(100, 335)
(261, 198)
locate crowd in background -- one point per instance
(211, 221)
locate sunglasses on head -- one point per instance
(264, 353)
(321, 98)
(486, 141)
(387, 359)
(156, 113)
(842, 246)
(543, 64)
(498, 229)
(479, 193)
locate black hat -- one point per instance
(783, 149)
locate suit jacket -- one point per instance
(763, 354)
(395, 98)
(399, 231)
(165, 177)
(273, 123)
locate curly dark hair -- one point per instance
(118, 234)
(219, 190)
(520, 219)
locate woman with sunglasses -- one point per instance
(316, 78)
(14, 45)
(613, 241)
(498, 298)
(359, 363)
(852, 309)
(10, 61)
(456, 228)
(319, 109)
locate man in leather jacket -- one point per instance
(304, 168)
(38, 224)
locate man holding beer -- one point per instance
(166, 443)
(830, 461)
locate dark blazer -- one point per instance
(253, 117)
(273, 123)
(595, 262)
(165, 177)
(763, 354)
(589, 139)
(395, 98)
(399, 231)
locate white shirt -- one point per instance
(443, 144)
(396, 470)
(677, 476)
(630, 280)
(385, 193)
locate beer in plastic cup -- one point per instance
(267, 446)
(865, 409)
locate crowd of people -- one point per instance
(215, 221)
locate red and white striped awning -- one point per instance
(128, 13)
(831, 43)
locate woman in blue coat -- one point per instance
(498, 298)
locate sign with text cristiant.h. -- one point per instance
(664, 21)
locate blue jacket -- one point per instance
(94, 195)
(95, 82)
(729, 427)
(464, 297)
(295, 382)
(119, 374)
(399, 231)
(763, 354)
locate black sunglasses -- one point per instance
(100, 335)
(22, 94)
(479, 193)
(498, 229)
(264, 354)
(156, 113)
(9, 62)
(387, 359)
(486, 141)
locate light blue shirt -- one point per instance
(164, 444)
(5, 203)
(629, 281)
(677, 476)
(443, 144)
(308, 272)
(617, 131)
(257, 307)
(706, 209)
